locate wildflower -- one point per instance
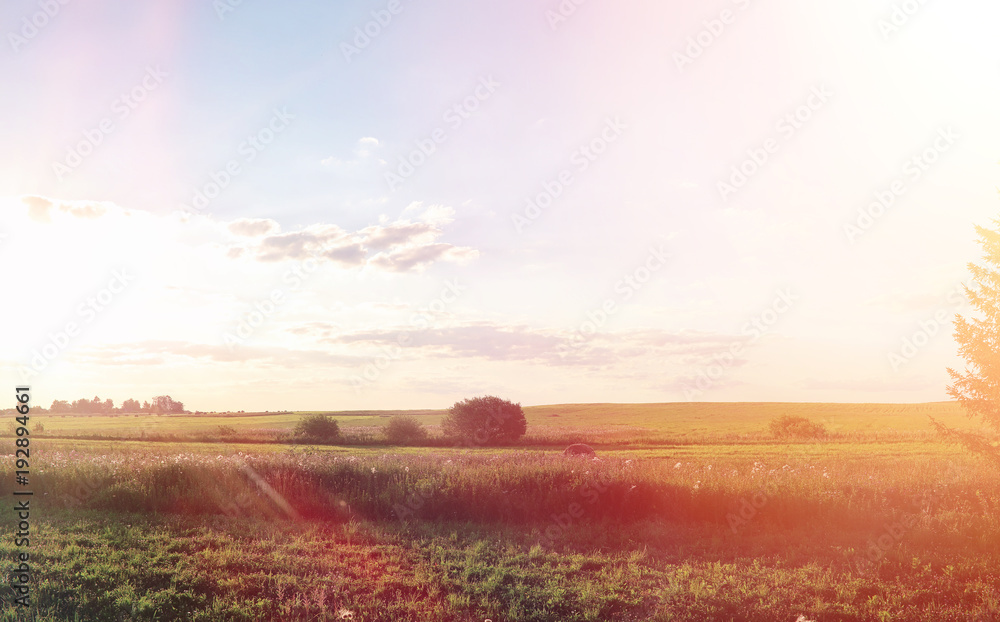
(373, 469)
(407, 469)
(697, 485)
(709, 467)
(677, 466)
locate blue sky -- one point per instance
(626, 124)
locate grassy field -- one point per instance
(880, 521)
(601, 424)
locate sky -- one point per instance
(396, 204)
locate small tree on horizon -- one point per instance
(404, 430)
(486, 420)
(977, 389)
(317, 429)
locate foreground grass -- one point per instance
(100, 566)
(96, 566)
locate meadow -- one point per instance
(692, 512)
(603, 424)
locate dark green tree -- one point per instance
(485, 420)
(317, 429)
(404, 430)
(977, 388)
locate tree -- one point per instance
(317, 429)
(166, 404)
(61, 406)
(131, 406)
(977, 389)
(485, 420)
(403, 430)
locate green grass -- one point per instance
(140, 567)
(154, 567)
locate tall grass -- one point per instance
(523, 487)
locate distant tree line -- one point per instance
(161, 404)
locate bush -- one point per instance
(404, 430)
(792, 426)
(485, 420)
(317, 429)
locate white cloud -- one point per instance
(399, 246)
(253, 227)
(41, 209)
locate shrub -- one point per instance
(226, 430)
(317, 429)
(485, 420)
(404, 430)
(793, 426)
